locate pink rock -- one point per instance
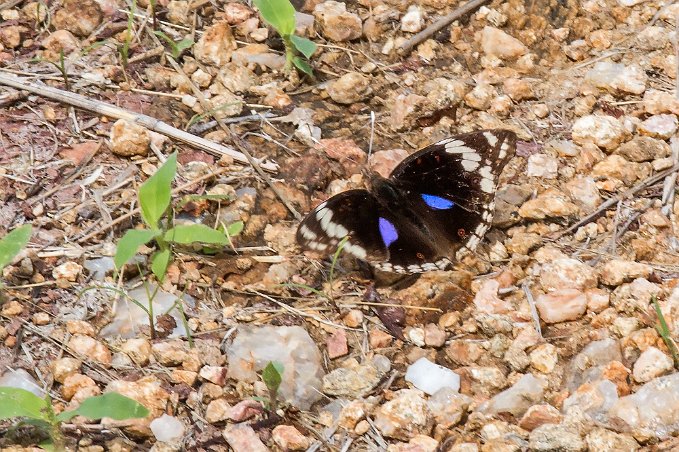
(346, 152)
(561, 306)
(383, 162)
(245, 409)
(288, 437)
(486, 299)
(538, 415)
(93, 349)
(214, 374)
(337, 344)
(433, 335)
(242, 438)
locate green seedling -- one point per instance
(272, 376)
(156, 212)
(176, 47)
(280, 14)
(124, 48)
(154, 14)
(12, 243)
(664, 332)
(38, 411)
(61, 67)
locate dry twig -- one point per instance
(446, 20)
(615, 199)
(106, 109)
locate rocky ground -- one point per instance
(545, 339)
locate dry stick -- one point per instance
(446, 20)
(670, 183)
(611, 201)
(669, 187)
(106, 109)
(240, 144)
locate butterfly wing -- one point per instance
(436, 203)
(351, 213)
(450, 186)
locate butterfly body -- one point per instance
(434, 208)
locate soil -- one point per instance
(549, 71)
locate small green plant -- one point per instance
(61, 67)
(154, 201)
(38, 411)
(272, 376)
(154, 14)
(176, 47)
(664, 332)
(280, 14)
(124, 48)
(12, 243)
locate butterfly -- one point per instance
(434, 208)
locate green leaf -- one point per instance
(16, 402)
(47, 445)
(159, 263)
(154, 194)
(304, 45)
(195, 233)
(303, 65)
(160, 34)
(130, 243)
(12, 243)
(280, 14)
(111, 404)
(235, 228)
(184, 44)
(272, 375)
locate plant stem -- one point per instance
(664, 332)
(55, 427)
(289, 52)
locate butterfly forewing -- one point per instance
(463, 168)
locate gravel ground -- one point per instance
(547, 338)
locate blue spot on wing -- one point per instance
(388, 231)
(436, 202)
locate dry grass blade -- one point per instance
(112, 111)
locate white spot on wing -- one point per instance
(486, 172)
(307, 233)
(356, 250)
(474, 156)
(492, 139)
(325, 221)
(487, 185)
(339, 231)
(468, 165)
(457, 147)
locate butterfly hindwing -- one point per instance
(349, 213)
